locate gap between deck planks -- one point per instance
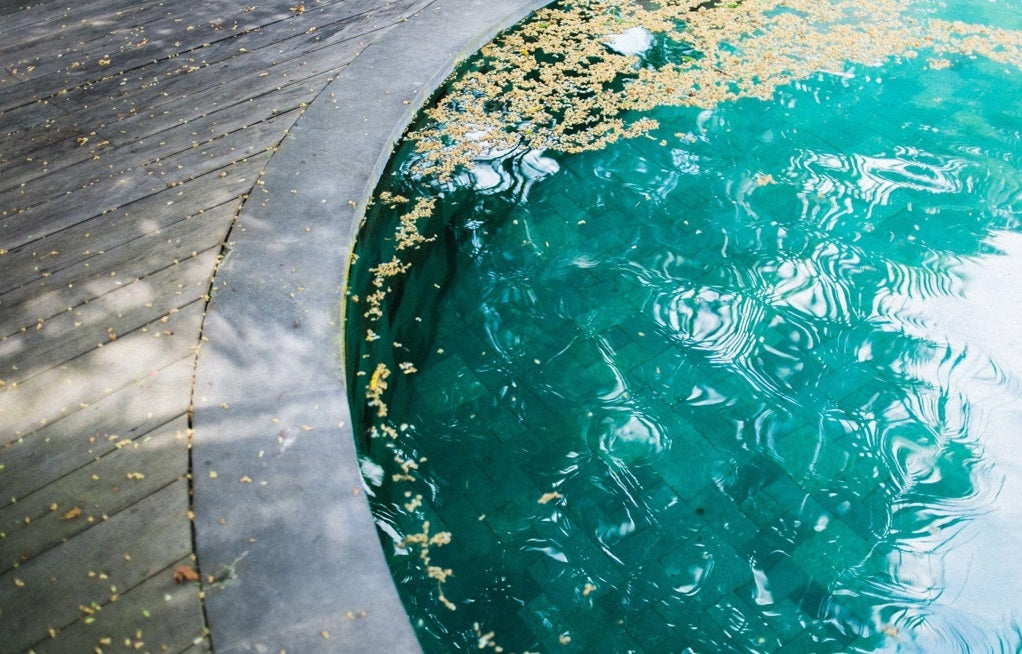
(93, 569)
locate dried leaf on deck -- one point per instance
(184, 573)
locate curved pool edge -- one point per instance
(285, 539)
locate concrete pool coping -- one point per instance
(286, 543)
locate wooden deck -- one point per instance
(131, 135)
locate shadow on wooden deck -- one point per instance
(131, 135)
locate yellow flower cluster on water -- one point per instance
(407, 466)
(488, 640)
(423, 539)
(956, 37)
(549, 497)
(556, 84)
(375, 389)
(425, 542)
(407, 236)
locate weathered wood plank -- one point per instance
(199, 129)
(84, 176)
(6, 79)
(48, 49)
(88, 200)
(225, 94)
(20, 229)
(58, 448)
(120, 269)
(10, 8)
(292, 47)
(92, 162)
(206, 127)
(128, 48)
(21, 126)
(32, 306)
(38, 268)
(39, 141)
(57, 51)
(16, 93)
(194, 162)
(45, 592)
(88, 378)
(65, 32)
(18, 26)
(298, 58)
(104, 28)
(174, 623)
(48, 158)
(32, 149)
(142, 304)
(108, 484)
(147, 86)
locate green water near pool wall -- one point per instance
(749, 384)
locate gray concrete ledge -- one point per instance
(282, 522)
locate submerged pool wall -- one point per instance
(302, 561)
(846, 350)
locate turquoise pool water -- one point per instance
(747, 383)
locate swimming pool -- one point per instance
(725, 362)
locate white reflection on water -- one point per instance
(876, 178)
(633, 41)
(981, 588)
(512, 171)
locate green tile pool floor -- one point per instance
(754, 389)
